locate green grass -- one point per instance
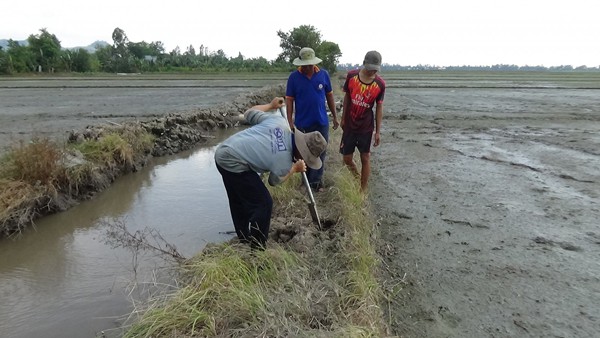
(120, 147)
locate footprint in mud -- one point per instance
(593, 237)
(570, 246)
(448, 317)
(564, 245)
(543, 240)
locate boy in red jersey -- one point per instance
(364, 89)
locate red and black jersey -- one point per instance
(364, 96)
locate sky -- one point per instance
(405, 32)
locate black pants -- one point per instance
(315, 176)
(250, 204)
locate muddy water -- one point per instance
(64, 280)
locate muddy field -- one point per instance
(488, 202)
(486, 190)
(52, 107)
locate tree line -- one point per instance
(43, 53)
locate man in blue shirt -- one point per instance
(308, 88)
(267, 146)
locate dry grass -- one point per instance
(18, 202)
(38, 162)
(30, 177)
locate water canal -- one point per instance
(62, 279)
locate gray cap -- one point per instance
(372, 60)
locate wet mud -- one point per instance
(488, 203)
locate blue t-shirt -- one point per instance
(264, 147)
(309, 97)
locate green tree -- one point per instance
(4, 62)
(294, 40)
(308, 36)
(66, 60)
(16, 59)
(218, 60)
(104, 58)
(143, 49)
(190, 51)
(81, 61)
(46, 49)
(121, 56)
(157, 47)
(259, 64)
(138, 49)
(330, 53)
(189, 59)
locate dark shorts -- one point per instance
(351, 141)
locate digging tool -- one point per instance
(312, 206)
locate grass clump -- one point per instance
(228, 289)
(119, 147)
(36, 162)
(18, 202)
(31, 175)
(108, 151)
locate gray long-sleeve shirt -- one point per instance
(266, 146)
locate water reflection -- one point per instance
(62, 280)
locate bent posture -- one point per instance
(267, 146)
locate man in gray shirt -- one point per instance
(267, 146)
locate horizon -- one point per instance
(436, 32)
(384, 64)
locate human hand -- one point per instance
(335, 124)
(299, 166)
(377, 139)
(277, 102)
